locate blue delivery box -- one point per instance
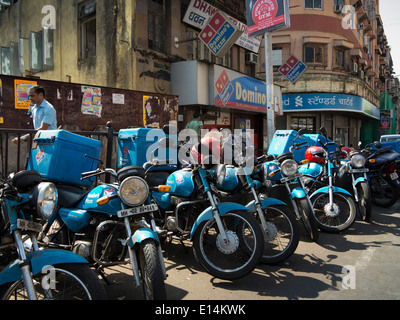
(136, 146)
(59, 156)
(283, 140)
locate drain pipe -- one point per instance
(20, 57)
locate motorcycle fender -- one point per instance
(298, 193)
(359, 180)
(141, 235)
(265, 203)
(39, 260)
(223, 208)
(335, 190)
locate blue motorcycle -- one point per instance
(242, 185)
(227, 239)
(110, 223)
(35, 273)
(282, 178)
(353, 176)
(334, 207)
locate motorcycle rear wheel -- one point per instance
(234, 259)
(342, 216)
(151, 271)
(72, 282)
(384, 192)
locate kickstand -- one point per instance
(171, 236)
(100, 270)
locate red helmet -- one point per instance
(209, 146)
(315, 154)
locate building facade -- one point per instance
(153, 46)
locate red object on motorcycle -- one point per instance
(315, 154)
(343, 155)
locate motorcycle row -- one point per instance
(57, 236)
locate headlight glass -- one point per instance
(47, 199)
(133, 191)
(221, 174)
(358, 161)
(289, 167)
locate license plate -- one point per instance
(29, 225)
(358, 170)
(293, 177)
(137, 210)
(394, 175)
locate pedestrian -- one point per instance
(196, 125)
(43, 113)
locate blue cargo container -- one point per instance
(59, 156)
(135, 147)
(283, 140)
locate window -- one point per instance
(87, 29)
(340, 57)
(298, 123)
(157, 25)
(5, 63)
(314, 54)
(313, 4)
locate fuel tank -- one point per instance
(181, 183)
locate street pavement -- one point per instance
(363, 263)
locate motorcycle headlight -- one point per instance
(47, 199)
(133, 191)
(289, 167)
(358, 161)
(221, 174)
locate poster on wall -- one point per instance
(385, 120)
(91, 101)
(151, 112)
(21, 89)
(266, 16)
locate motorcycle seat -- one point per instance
(156, 178)
(70, 196)
(129, 172)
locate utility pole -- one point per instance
(269, 80)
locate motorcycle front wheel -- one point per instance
(238, 256)
(336, 218)
(308, 219)
(384, 192)
(364, 201)
(282, 235)
(151, 271)
(62, 282)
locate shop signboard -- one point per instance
(219, 34)
(238, 91)
(198, 14)
(266, 16)
(292, 69)
(329, 102)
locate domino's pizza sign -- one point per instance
(219, 34)
(292, 69)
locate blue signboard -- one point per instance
(292, 69)
(329, 101)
